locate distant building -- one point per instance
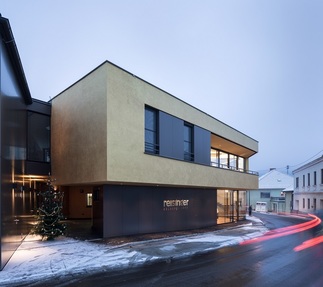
(275, 192)
(308, 186)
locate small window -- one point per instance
(297, 182)
(308, 179)
(264, 194)
(303, 180)
(188, 142)
(89, 199)
(314, 177)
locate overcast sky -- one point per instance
(254, 65)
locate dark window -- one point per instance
(314, 177)
(188, 142)
(264, 194)
(308, 204)
(151, 131)
(303, 179)
(308, 179)
(297, 182)
(303, 202)
(38, 137)
(322, 176)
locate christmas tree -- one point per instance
(49, 213)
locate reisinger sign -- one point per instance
(175, 204)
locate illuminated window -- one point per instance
(89, 199)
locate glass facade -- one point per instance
(231, 205)
(223, 159)
(38, 137)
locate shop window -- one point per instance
(151, 131)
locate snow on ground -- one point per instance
(36, 259)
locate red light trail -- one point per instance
(279, 232)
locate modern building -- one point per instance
(308, 182)
(128, 155)
(136, 159)
(274, 194)
(24, 145)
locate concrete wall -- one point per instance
(79, 131)
(77, 202)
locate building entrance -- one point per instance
(231, 205)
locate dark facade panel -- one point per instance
(171, 136)
(14, 202)
(40, 107)
(39, 168)
(141, 209)
(202, 146)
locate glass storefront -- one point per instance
(231, 205)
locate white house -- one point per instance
(308, 182)
(274, 192)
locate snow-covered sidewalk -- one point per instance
(36, 259)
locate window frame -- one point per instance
(152, 147)
(188, 142)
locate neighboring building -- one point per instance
(308, 181)
(24, 141)
(275, 192)
(136, 159)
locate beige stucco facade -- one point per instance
(98, 136)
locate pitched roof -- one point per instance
(275, 180)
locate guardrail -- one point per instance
(225, 166)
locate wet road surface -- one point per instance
(272, 262)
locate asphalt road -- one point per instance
(271, 262)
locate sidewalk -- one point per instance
(38, 260)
